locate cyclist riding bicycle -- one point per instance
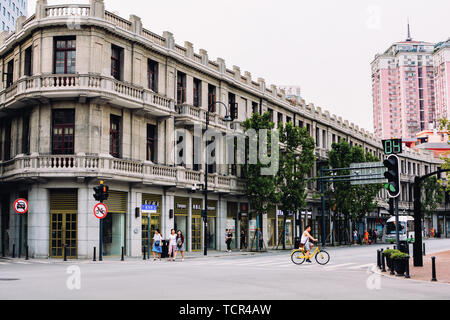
(305, 244)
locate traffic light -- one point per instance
(101, 192)
(393, 176)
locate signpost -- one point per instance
(100, 211)
(20, 207)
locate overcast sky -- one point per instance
(323, 46)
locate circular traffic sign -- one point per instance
(100, 211)
(21, 206)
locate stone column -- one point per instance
(97, 8)
(134, 237)
(189, 226)
(88, 224)
(221, 224)
(38, 222)
(167, 223)
(40, 9)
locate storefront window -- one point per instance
(232, 212)
(211, 230)
(181, 221)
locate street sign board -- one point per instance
(21, 206)
(367, 173)
(149, 208)
(100, 211)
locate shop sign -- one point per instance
(149, 208)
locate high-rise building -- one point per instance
(403, 89)
(292, 92)
(441, 61)
(10, 10)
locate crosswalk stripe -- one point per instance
(362, 266)
(338, 266)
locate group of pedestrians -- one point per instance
(176, 244)
(369, 237)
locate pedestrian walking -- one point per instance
(355, 236)
(243, 240)
(228, 239)
(366, 237)
(375, 236)
(157, 242)
(179, 245)
(261, 239)
(172, 244)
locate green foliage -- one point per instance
(432, 195)
(261, 189)
(399, 255)
(296, 161)
(389, 252)
(354, 201)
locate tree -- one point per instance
(432, 196)
(261, 189)
(352, 201)
(296, 161)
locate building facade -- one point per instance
(10, 10)
(89, 96)
(442, 76)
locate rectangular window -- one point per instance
(151, 143)
(317, 137)
(7, 151)
(211, 98)
(65, 55)
(26, 135)
(197, 92)
(181, 87)
(280, 119)
(233, 107)
(152, 74)
(288, 119)
(10, 73)
(114, 136)
(324, 139)
(116, 62)
(28, 71)
(255, 107)
(63, 128)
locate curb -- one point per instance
(378, 271)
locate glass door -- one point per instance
(63, 231)
(113, 234)
(196, 233)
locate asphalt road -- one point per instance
(256, 277)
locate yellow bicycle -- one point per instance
(298, 256)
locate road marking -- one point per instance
(4, 263)
(338, 266)
(21, 262)
(362, 266)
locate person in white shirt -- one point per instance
(306, 236)
(157, 245)
(172, 244)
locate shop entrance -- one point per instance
(197, 233)
(114, 226)
(150, 221)
(63, 224)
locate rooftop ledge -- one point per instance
(95, 13)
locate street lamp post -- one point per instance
(205, 214)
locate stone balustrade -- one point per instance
(88, 85)
(51, 166)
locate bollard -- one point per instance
(65, 252)
(95, 254)
(122, 255)
(14, 251)
(378, 259)
(407, 270)
(26, 253)
(433, 269)
(395, 247)
(424, 254)
(145, 253)
(383, 262)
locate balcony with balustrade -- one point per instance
(37, 167)
(42, 88)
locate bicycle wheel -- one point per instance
(297, 257)
(322, 257)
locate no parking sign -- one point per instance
(21, 206)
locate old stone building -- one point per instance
(87, 95)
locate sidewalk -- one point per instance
(424, 273)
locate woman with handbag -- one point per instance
(179, 245)
(157, 242)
